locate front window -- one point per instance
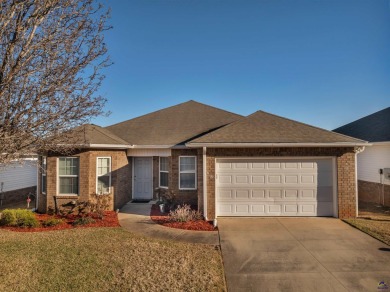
(68, 172)
(187, 169)
(164, 173)
(103, 176)
(44, 168)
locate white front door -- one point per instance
(143, 178)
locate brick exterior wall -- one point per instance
(193, 197)
(121, 179)
(121, 182)
(346, 185)
(371, 192)
(16, 196)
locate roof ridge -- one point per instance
(170, 107)
(144, 115)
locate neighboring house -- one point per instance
(224, 163)
(17, 180)
(374, 162)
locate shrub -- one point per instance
(184, 213)
(84, 221)
(78, 208)
(52, 222)
(18, 218)
(99, 203)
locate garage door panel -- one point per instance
(225, 179)
(291, 194)
(258, 179)
(274, 179)
(243, 194)
(308, 209)
(225, 194)
(308, 194)
(242, 209)
(291, 187)
(273, 209)
(272, 194)
(258, 209)
(308, 179)
(258, 165)
(291, 179)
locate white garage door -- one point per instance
(273, 187)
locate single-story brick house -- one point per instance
(373, 164)
(224, 163)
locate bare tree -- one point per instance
(51, 56)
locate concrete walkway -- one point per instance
(301, 254)
(135, 217)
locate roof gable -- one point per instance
(174, 125)
(262, 127)
(372, 128)
(90, 135)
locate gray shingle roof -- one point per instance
(173, 125)
(372, 128)
(262, 127)
(90, 134)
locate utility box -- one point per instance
(386, 173)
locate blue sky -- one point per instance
(324, 63)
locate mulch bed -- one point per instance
(110, 219)
(163, 219)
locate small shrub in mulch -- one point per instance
(18, 218)
(184, 213)
(166, 220)
(54, 222)
(84, 221)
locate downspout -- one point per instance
(37, 190)
(356, 187)
(357, 150)
(205, 183)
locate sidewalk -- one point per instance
(135, 217)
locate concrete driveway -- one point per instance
(301, 254)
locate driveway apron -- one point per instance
(301, 254)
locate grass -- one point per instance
(105, 259)
(378, 229)
(374, 220)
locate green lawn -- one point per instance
(105, 259)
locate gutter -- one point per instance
(257, 145)
(114, 146)
(380, 143)
(150, 146)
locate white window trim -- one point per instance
(189, 171)
(43, 174)
(109, 174)
(159, 172)
(58, 177)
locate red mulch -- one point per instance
(110, 219)
(163, 219)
